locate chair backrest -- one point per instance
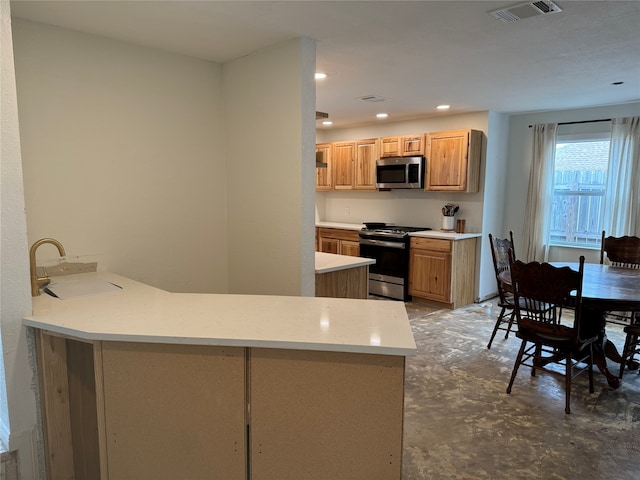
(621, 251)
(541, 290)
(500, 248)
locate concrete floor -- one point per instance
(461, 424)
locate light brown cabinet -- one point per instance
(402, 146)
(324, 175)
(365, 164)
(443, 270)
(339, 241)
(430, 269)
(453, 161)
(343, 156)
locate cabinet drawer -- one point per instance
(431, 244)
(339, 234)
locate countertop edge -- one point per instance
(223, 342)
(146, 314)
(422, 234)
(331, 262)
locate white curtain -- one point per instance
(536, 216)
(622, 198)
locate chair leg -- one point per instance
(590, 372)
(567, 384)
(537, 354)
(626, 351)
(511, 319)
(516, 365)
(495, 328)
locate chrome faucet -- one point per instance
(36, 281)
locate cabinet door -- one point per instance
(390, 147)
(351, 248)
(454, 161)
(325, 415)
(447, 165)
(430, 275)
(365, 170)
(162, 400)
(343, 156)
(324, 174)
(329, 245)
(412, 145)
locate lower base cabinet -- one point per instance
(339, 241)
(124, 410)
(442, 270)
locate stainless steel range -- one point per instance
(389, 246)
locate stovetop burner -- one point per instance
(391, 230)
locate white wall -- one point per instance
(271, 170)
(520, 146)
(495, 200)
(123, 156)
(18, 402)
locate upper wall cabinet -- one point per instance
(403, 146)
(343, 156)
(453, 161)
(324, 175)
(365, 164)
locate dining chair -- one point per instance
(620, 251)
(500, 253)
(623, 252)
(543, 289)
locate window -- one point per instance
(579, 185)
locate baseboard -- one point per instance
(487, 297)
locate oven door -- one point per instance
(388, 276)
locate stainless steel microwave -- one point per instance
(400, 172)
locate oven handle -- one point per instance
(383, 243)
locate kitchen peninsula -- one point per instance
(143, 383)
(342, 276)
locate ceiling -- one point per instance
(415, 55)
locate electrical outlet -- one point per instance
(347, 211)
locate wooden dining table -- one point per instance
(604, 288)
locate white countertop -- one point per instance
(444, 235)
(345, 226)
(140, 313)
(425, 233)
(330, 262)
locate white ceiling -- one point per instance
(415, 54)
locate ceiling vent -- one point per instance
(372, 98)
(525, 10)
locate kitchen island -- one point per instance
(143, 383)
(342, 276)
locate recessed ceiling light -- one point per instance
(382, 115)
(320, 76)
(443, 107)
(327, 122)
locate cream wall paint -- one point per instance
(17, 401)
(520, 146)
(495, 200)
(123, 155)
(270, 192)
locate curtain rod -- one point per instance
(583, 121)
